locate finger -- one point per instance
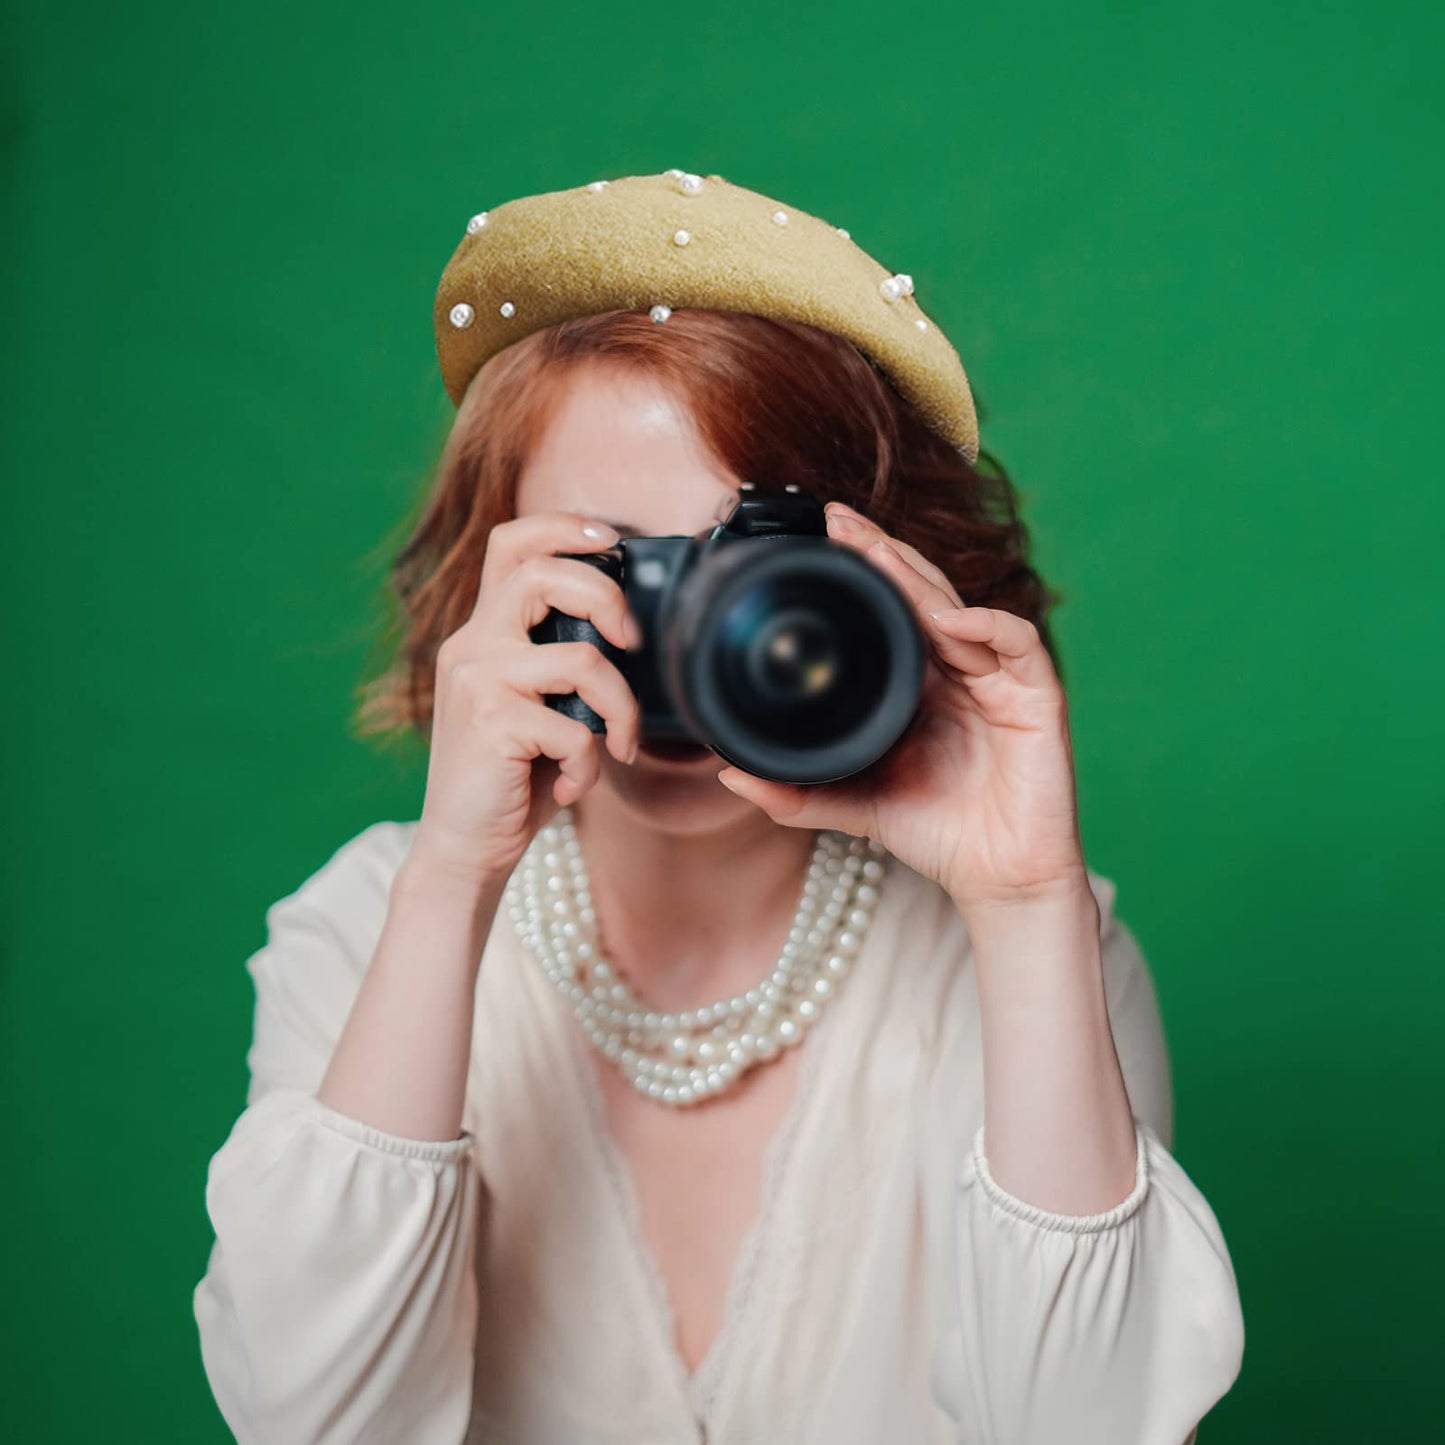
(974, 659)
(795, 805)
(537, 731)
(561, 667)
(541, 583)
(853, 526)
(511, 541)
(926, 596)
(1014, 640)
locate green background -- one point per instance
(1190, 257)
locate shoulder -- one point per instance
(357, 869)
(319, 940)
(339, 908)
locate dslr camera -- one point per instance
(788, 654)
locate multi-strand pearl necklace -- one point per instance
(686, 1057)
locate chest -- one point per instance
(697, 1176)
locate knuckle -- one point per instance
(580, 735)
(532, 570)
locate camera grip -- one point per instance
(559, 626)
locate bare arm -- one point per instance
(401, 1061)
(1060, 1129)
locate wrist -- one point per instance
(1059, 893)
(440, 882)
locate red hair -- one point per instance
(776, 401)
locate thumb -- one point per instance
(795, 805)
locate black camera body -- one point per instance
(788, 654)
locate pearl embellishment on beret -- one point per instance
(781, 217)
(461, 314)
(660, 313)
(680, 238)
(507, 309)
(844, 234)
(896, 286)
(595, 186)
(476, 223)
(921, 324)
(690, 183)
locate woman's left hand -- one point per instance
(979, 792)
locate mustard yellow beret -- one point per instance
(666, 241)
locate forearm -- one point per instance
(401, 1062)
(1059, 1131)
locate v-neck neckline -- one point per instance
(701, 1387)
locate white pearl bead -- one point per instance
(653, 1060)
(921, 324)
(680, 238)
(890, 288)
(690, 183)
(461, 314)
(844, 234)
(595, 186)
(476, 223)
(905, 283)
(507, 309)
(660, 313)
(780, 218)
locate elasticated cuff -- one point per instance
(441, 1151)
(1069, 1223)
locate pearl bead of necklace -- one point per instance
(686, 1057)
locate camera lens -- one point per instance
(798, 662)
(794, 658)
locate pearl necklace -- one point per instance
(686, 1057)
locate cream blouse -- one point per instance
(498, 1287)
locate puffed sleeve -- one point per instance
(338, 1302)
(1117, 1328)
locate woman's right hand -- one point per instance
(503, 763)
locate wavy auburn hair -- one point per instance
(776, 401)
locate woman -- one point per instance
(457, 1207)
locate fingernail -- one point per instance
(595, 529)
